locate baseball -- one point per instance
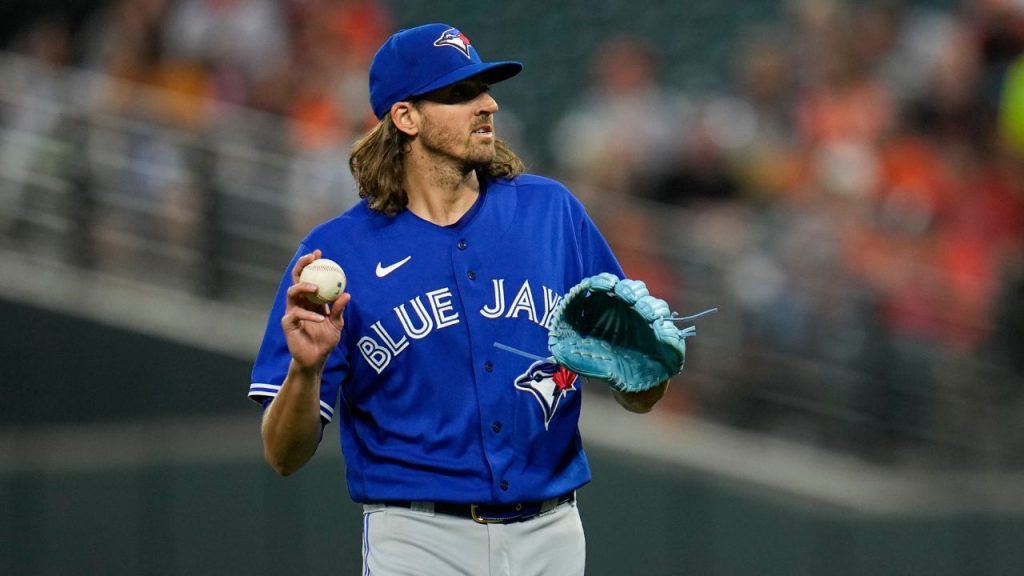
(329, 278)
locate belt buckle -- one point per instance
(474, 513)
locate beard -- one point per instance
(456, 146)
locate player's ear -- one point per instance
(405, 117)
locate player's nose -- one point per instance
(487, 104)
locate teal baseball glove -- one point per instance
(614, 330)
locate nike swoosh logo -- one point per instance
(383, 271)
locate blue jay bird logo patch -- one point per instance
(455, 39)
(549, 383)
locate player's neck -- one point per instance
(441, 196)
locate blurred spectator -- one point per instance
(736, 143)
(126, 42)
(29, 116)
(625, 126)
(766, 161)
(237, 40)
(701, 170)
(999, 32)
(333, 43)
(623, 130)
(123, 38)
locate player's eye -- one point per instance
(457, 93)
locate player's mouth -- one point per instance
(484, 130)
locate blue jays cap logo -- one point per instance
(549, 383)
(455, 39)
(405, 66)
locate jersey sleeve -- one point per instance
(271, 365)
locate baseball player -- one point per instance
(466, 455)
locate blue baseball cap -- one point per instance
(418, 60)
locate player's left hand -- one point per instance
(641, 401)
(612, 329)
(312, 331)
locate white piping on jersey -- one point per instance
(259, 390)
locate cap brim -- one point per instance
(492, 73)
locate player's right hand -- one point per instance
(312, 331)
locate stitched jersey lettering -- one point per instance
(382, 346)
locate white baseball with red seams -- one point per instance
(329, 278)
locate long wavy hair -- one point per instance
(378, 165)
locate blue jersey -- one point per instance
(429, 408)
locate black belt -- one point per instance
(491, 513)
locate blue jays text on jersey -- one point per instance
(429, 409)
(434, 310)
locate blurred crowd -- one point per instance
(303, 59)
(853, 201)
(857, 197)
(180, 64)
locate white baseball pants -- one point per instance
(405, 542)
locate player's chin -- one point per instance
(477, 157)
(485, 152)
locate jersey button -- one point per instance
(471, 275)
(496, 426)
(503, 485)
(489, 366)
(463, 244)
